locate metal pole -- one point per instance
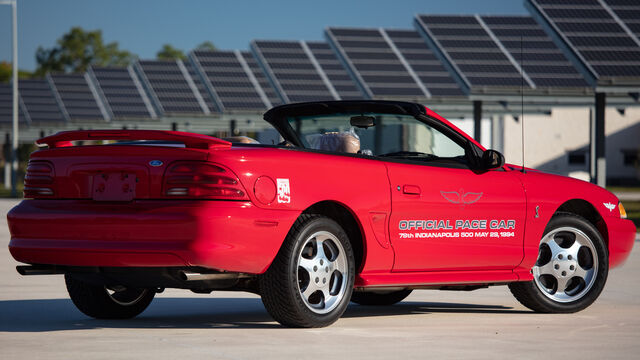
(600, 136)
(14, 144)
(477, 120)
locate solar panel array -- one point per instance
(566, 48)
(292, 71)
(39, 102)
(170, 89)
(263, 82)
(471, 50)
(120, 92)
(228, 80)
(200, 85)
(424, 63)
(544, 62)
(335, 71)
(595, 34)
(78, 100)
(628, 11)
(378, 69)
(6, 104)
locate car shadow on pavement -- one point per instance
(194, 313)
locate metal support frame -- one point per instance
(597, 128)
(14, 111)
(477, 120)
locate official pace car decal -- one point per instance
(459, 228)
(609, 206)
(284, 192)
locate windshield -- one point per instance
(375, 134)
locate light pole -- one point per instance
(14, 137)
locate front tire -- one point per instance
(99, 302)
(309, 283)
(571, 269)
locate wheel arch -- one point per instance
(343, 215)
(588, 211)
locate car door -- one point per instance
(446, 216)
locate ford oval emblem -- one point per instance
(155, 163)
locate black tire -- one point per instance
(96, 301)
(379, 298)
(280, 286)
(532, 294)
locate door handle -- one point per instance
(411, 189)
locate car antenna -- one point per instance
(522, 100)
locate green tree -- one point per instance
(168, 52)
(6, 72)
(206, 45)
(77, 50)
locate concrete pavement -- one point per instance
(37, 320)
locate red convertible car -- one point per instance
(362, 201)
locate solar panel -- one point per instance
(521, 35)
(6, 105)
(264, 83)
(294, 71)
(230, 80)
(202, 89)
(602, 36)
(344, 85)
(171, 87)
(78, 99)
(121, 92)
(629, 13)
(38, 101)
(468, 46)
(378, 67)
(424, 63)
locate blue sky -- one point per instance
(142, 26)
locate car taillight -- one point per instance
(38, 181)
(197, 179)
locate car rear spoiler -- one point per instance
(190, 140)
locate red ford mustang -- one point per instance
(362, 201)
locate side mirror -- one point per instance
(491, 159)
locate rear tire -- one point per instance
(379, 298)
(310, 281)
(101, 303)
(571, 270)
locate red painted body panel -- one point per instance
(211, 234)
(490, 196)
(244, 236)
(549, 192)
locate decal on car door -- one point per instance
(456, 228)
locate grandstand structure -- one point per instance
(568, 53)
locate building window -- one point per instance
(630, 157)
(577, 158)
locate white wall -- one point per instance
(549, 139)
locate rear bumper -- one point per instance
(224, 235)
(622, 235)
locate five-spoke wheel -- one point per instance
(567, 264)
(322, 267)
(571, 268)
(309, 283)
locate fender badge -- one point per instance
(155, 163)
(609, 206)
